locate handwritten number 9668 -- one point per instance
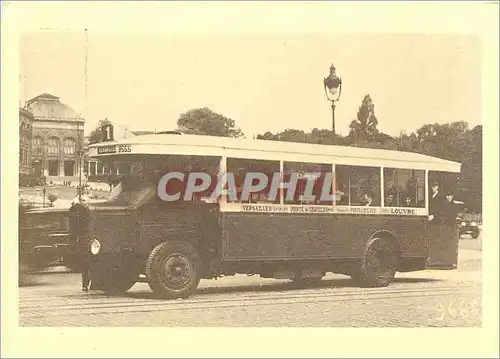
(456, 308)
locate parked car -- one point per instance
(43, 237)
(468, 226)
(467, 223)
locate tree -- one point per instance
(204, 121)
(52, 198)
(292, 135)
(95, 135)
(324, 137)
(267, 136)
(470, 183)
(455, 142)
(318, 136)
(364, 128)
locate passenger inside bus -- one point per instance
(389, 200)
(367, 199)
(404, 187)
(342, 195)
(360, 185)
(408, 202)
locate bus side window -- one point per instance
(341, 182)
(314, 173)
(241, 167)
(404, 187)
(363, 184)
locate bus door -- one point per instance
(442, 230)
(442, 244)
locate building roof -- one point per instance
(26, 113)
(276, 150)
(141, 133)
(45, 96)
(47, 106)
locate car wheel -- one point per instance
(173, 269)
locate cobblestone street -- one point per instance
(418, 299)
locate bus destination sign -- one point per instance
(106, 149)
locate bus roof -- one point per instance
(173, 144)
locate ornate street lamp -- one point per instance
(333, 89)
(80, 152)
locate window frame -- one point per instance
(37, 145)
(69, 150)
(424, 185)
(223, 169)
(282, 175)
(380, 184)
(57, 147)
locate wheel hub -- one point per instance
(177, 270)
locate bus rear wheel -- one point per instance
(173, 269)
(379, 264)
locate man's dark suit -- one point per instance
(436, 206)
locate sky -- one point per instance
(265, 82)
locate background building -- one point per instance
(25, 136)
(56, 139)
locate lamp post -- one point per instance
(333, 89)
(80, 162)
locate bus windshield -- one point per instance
(134, 184)
(131, 192)
(136, 180)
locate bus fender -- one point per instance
(385, 234)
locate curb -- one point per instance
(55, 270)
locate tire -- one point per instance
(173, 269)
(475, 234)
(119, 282)
(379, 264)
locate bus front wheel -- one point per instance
(379, 264)
(173, 269)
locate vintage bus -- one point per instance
(375, 224)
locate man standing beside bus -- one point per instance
(435, 203)
(451, 207)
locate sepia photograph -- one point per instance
(249, 179)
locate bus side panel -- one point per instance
(196, 224)
(410, 232)
(353, 231)
(261, 236)
(310, 236)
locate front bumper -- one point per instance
(468, 230)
